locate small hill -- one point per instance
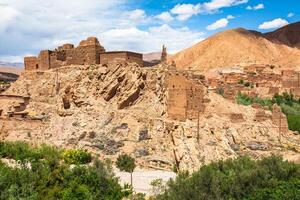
(288, 35)
(149, 57)
(237, 47)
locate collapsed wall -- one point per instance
(185, 96)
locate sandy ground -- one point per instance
(142, 179)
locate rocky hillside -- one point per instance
(240, 47)
(113, 109)
(288, 35)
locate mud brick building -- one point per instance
(88, 52)
(121, 57)
(185, 96)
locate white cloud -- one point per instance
(221, 23)
(291, 14)
(165, 16)
(8, 15)
(152, 39)
(215, 5)
(276, 23)
(230, 17)
(31, 25)
(257, 7)
(185, 11)
(136, 15)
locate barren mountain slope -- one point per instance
(9, 69)
(236, 47)
(288, 35)
(95, 121)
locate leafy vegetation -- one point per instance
(45, 173)
(246, 100)
(126, 163)
(74, 156)
(290, 106)
(4, 82)
(241, 178)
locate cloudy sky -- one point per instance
(26, 26)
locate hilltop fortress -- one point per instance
(88, 52)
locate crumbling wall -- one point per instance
(279, 119)
(31, 63)
(121, 57)
(177, 97)
(87, 53)
(44, 60)
(185, 97)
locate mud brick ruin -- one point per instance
(256, 80)
(88, 52)
(185, 96)
(121, 57)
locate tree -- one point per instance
(234, 179)
(126, 163)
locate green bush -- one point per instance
(74, 156)
(48, 177)
(289, 106)
(294, 122)
(236, 179)
(19, 151)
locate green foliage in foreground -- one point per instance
(42, 173)
(267, 179)
(125, 163)
(290, 106)
(74, 156)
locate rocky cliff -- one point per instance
(113, 109)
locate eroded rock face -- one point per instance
(114, 109)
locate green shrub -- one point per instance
(294, 122)
(289, 106)
(236, 179)
(244, 99)
(19, 151)
(74, 156)
(50, 178)
(126, 163)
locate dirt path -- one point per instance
(142, 179)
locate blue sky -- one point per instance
(136, 25)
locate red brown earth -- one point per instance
(288, 35)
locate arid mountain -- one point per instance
(149, 57)
(10, 69)
(238, 47)
(288, 35)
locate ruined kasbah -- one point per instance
(113, 102)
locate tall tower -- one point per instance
(164, 55)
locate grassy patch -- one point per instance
(290, 106)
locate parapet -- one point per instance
(90, 41)
(67, 46)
